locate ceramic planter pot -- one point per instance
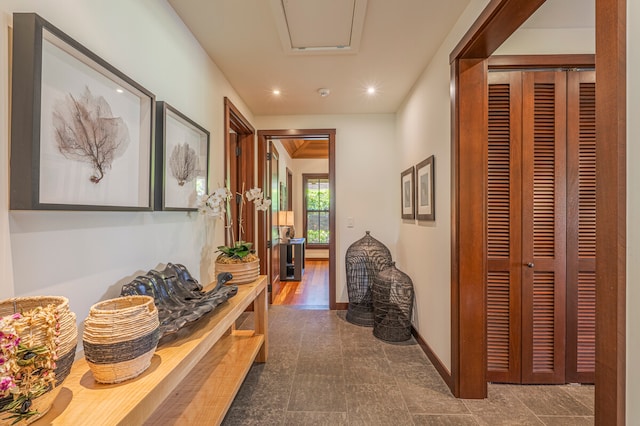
(243, 273)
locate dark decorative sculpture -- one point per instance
(364, 259)
(178, 296)
(392, 305)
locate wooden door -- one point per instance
(581, 230)
(239, 170)
(543, 226)
(540, 227)
(504, 228)
(273, 225)
(233, 181)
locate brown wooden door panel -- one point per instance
(504, 228)
(544, 227)
(541, 227)
(581, 227)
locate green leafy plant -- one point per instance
(239, 250)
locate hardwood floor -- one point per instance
(310, 293)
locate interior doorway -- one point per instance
(469, 77)
(239, 166)
(265, 222)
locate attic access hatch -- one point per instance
(319, 27)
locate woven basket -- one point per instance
(33, 331)
(242, 273)
(120, 337)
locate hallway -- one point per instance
(323, 370)
(310, 293)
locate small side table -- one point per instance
(292, 259)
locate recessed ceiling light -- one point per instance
(371, 90)
(276, 92)
(119, 90)
(324, 92)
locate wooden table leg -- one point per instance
(260, 310)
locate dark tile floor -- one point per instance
(323, 370)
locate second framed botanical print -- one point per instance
(182, 158)
(407, 194)
(425, 196)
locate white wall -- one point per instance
(367, 185)
(424, 248)
(87, 256)
(284, 161)
(633, 212)
(547, 41)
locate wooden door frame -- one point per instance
(330, 134)
(234, 120)
(469, 67)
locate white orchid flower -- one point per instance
(254, 194)
(263, 204)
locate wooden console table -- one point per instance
(193, 377)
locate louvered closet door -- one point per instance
(581, 226)
(541, 227)
(504, 247)
(544, 227)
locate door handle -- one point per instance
(530, 265)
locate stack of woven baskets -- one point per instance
(38, 338)
(120, 337)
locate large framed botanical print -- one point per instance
(81, 130)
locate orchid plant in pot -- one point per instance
(238, 257)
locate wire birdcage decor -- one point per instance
(393, 296)
(364, 259)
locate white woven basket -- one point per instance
(120, 337)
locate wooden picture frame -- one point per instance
(407, 193)
(425, 189)
(182, 160)
(81, 131)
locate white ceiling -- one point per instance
(399, 37)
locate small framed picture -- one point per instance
(407, 197)
(81, 131)
(425, 194)
(182, 160)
